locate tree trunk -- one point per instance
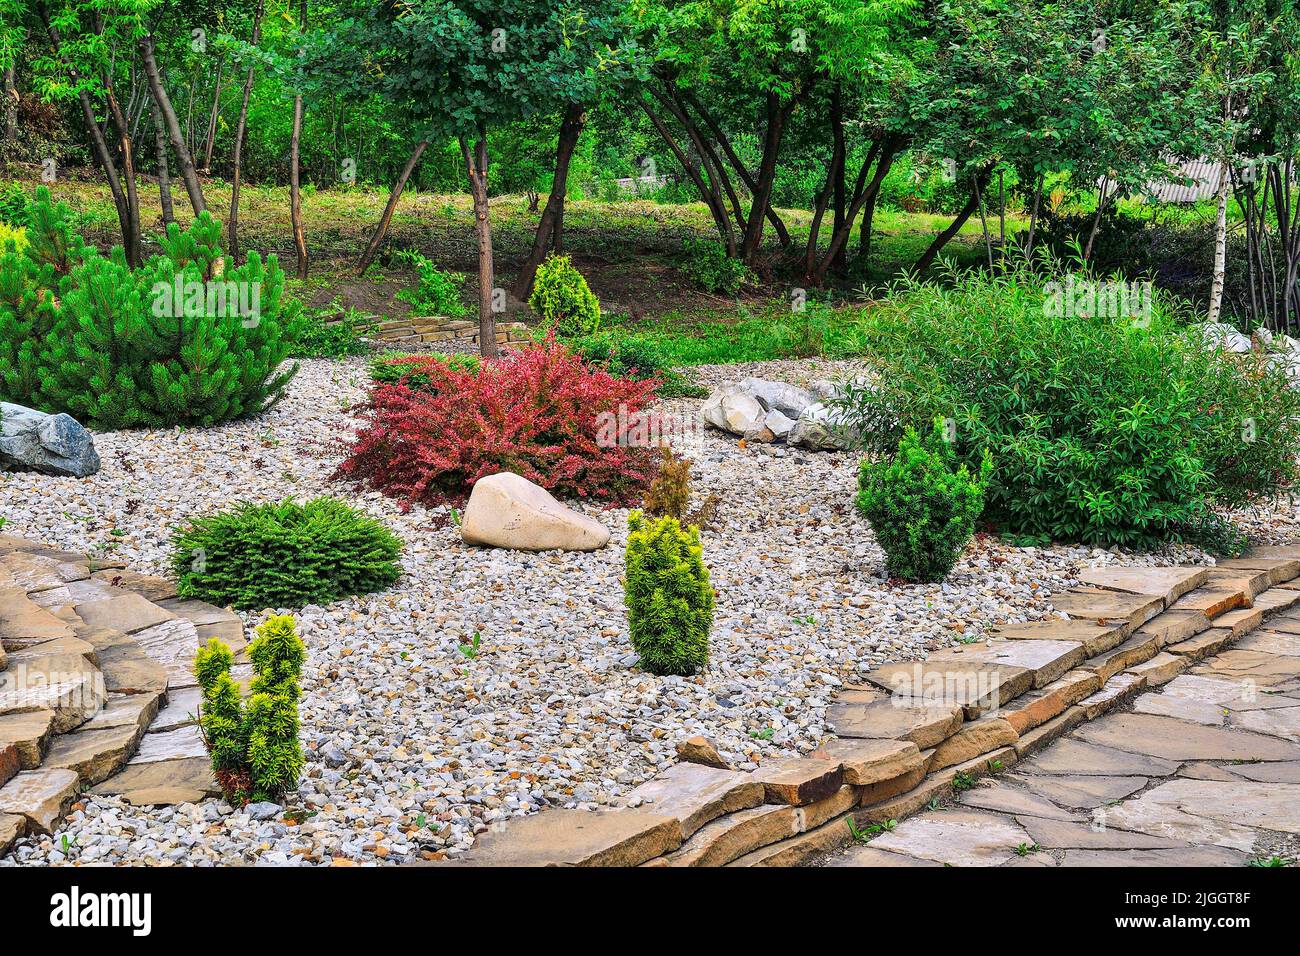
(863, 197)
(476, 165)
(164, 176)
(295, 191)
(552, 215)
(943, 238)
(132, 243)
(833, 176)
(720, 217)
(718, 183)
(1096, 220)
(232, 223)
(1033, 218)
(839, 159)
(1220, 244)
(381, 230)
(210, 139)
(776, 117)
(183, 157)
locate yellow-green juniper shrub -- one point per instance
(668, 595)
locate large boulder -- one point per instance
(777, 396)
(52, 444)
(508, 511)
(822, 427)
(732, 409)
(1224, 336)
(755, 408)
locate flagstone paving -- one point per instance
(96, 686)
(1159, 725)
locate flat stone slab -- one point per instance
(1161, 669)
(872, 856)
(29, 733)
(1111, 607)
(866, 762)
(182, 710)
(1260, 668)
(12, 827)
(1281, 722)
(576, 838)
(94, 755)
(128, 612)
(1074, 757)
(1047, 659)
(1252, 580)
(1172, 627)
(172, 645)
(1005, 798)
(694, 794)
(1172, 739)
(197, 612)
(1138, 649)
(924, 724)
(732, 836)
(1280, 552)
(1060, 835)
(41, 797)
(170, 745)
(128, 669)
(1214, 600)
(36, 572)
(1114, 692)
(1192, 856)
(956, 838)
(1094, 636)
(1082, 792)
(1210, 811)
(1278, 599)
(1203, 644)
(147, 586)
(1241, 621)
(1039, 706)
(798, 780)
(66, 684)
(973, 685)
(1283, 772)
(186, 780)
(1167, 583)
(1280, 569)
(976, 737)
(23, 622)
(1271, 642)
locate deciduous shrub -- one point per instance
(562, 298)
(331, 335)
(539, 412)
(187, 338)
(393, 367)
(1107, 430)
(284, 555)
(668, 596)
(254, 745)
(634, 356)
(438, 291)
(707, 264)
(922, 505)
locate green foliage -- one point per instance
(670, 492)
(562, 298)
(284, 555)
(668, 596)
(393, 367)
(922, 505)
(634, 356)
(330, 335)
(438, 292)
(1108, 430)
(13, 203)
(707, 264)
(254, 745)
(14, 234)
(188, 338)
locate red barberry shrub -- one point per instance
(540, 412)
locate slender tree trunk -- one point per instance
(295, 191)
(381, 230)
(776, 117)
(183, 157)
(720, 218)
(476, 164)
(552, 215)
(839, 159)
(164, 176)
(1096, 220)
(834, 175)
(132, 245)
(863, 197)
(1033, 218)
(1220, 244)
(954, 227)
(717, 180)
(232, 222)
(209, 140)
(984, 223)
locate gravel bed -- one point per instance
(413, 747)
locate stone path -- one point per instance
(96, 688)
(1046, 745)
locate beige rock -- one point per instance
(1111, 607)
(1261, 668)
(969, 683)
(12, 827)
(887, 790)
(956, 838)
(872, 856)
(1161, 669)
(29, 733)
(128, 612)
(23, 622)
(866, 762)
(702, 750)
(1281, 722)
(1137, 649)
(1278, 600)
(694, 794)
(10, 762)
(152, 588)
(1005, 798)
(1277, 552)
(1047, 659)
(1252, 580)
(1167, 583)
(1270, 642)
(1062, 835)
(798, 780)
(1174, 626)
(1039, 706)
(1203, 644)
(1114, 692)
(1073, 756)
(1280, 569)
(66, 684)
(976, 737)
(189, 779)
(1035, 740)
(93, 755)
(922, 723)
(507, 511)
(40, 796)
(1191, 856)
(1094, 636)
(1215, 599)
(1083, 792)
(1210, 811)
(734, 835)
(576, 838)
(1172, 739)
(170, 745)
(1241, 621)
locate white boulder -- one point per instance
(777, 396)
(508, 511)
(733, 410)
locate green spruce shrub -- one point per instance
(284, 555)
(254, 744)
(668, 596)
(562, 298)
(922, 505)
(186, 339)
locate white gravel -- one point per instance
(412, 747)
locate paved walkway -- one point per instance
(1203, 771)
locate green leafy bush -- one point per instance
(707, 264)
(330, 335)
(393, 367)
(922, 505)
(284, 555)
(1107, 430)
(438, 291)
(562, 298)
(668, 596)
(254, 745)
(636, 357)
(187, 338)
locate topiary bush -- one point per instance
(668, 596)
(706, 263)
(1107, 430)
(284, 555)
(186, 339)
(254, 745)
(922, 505)
(562, 298)
(539, 412)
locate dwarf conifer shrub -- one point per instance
(563, 299)
(186, 339)
(284, 555)
(670, 492)
(668, 596)
(254, 744)
(922, 505)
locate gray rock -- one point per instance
(777, 396)
(779, 424)
(733, 410)
(263, 811)
(1224, 336)
(52, 444)
(822, 428)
